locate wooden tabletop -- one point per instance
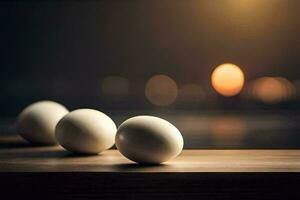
(52, 173)
(18, 156)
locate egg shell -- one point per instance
(86, 131)
(37, 122)
(148, 140)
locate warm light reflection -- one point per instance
(227, 130)
(227, 79)
(115, 86)
(272, 90)
(191, 93)
(161, 90)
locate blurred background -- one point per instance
(225, 72)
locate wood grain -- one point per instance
(18, 156)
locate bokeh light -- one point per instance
(296, 83)
(161, 90)
(115, 86)
(289, 88)
(191, 93)
(227, 79)
(272, 90)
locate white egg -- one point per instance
(86, 131)
(37, 122)
(148, 140)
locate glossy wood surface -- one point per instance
(18, 156)
(32, 172)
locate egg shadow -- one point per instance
(137, 166)
(15, 142)
(57, 153)
(70, 154)
(19, 144)
(13, 145)
(47, 153)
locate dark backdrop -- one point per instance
(61, 50)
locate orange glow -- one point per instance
(227, 79)
(272, 90)
(289, 88)
(161, 90)
(227, 129)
